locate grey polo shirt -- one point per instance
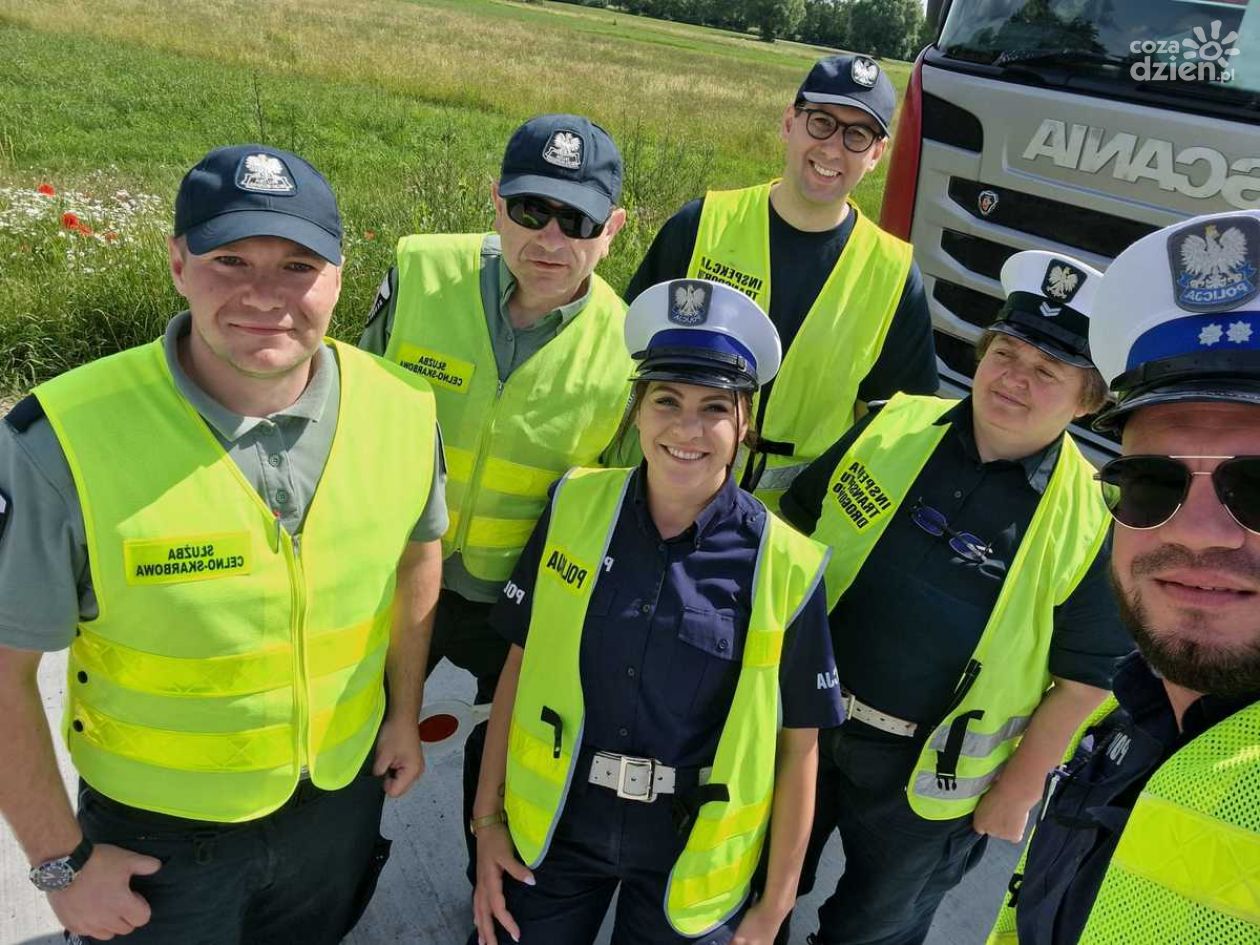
(512, 348)
(45, 582)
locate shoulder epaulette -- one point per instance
(26, 412)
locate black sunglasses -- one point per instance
(534, 213)
(1146, 491)
(822, 125)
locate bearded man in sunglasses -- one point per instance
(845, 297)
(1150, 830)
(522, 344)
(972, 621)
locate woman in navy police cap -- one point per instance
(656, 722)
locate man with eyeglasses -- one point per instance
(1150, 829)
(972, 621)
(522, 344)
(846, 297)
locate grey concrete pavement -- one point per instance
(423, 897)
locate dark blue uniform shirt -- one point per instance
(906, 627)
(1092, 797)
(800, 262)
(665, 632)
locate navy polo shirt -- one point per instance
(1093, 796)
(905, 629)
(665, 630)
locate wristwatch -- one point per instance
(57, 874)
(498, 817)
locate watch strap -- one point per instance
(79, 855)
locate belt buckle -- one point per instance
(626, 766)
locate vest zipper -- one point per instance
(292, 550)
(474, 481)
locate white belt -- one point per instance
(876, 719)
(634, 779)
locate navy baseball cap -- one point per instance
(851, 80)
(566, 158)
(252, 190)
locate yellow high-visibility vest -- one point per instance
(1187, 867)
(228, 655)
(711, 878)
(1009, 670)
(505, 442)
(813, 397)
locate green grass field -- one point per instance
(404, 104)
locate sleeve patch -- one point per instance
(5, 505)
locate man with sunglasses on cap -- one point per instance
(1150, 829)
(845, 296)
(973, 625)
(189, 517)
(522, 344)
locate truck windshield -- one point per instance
(1202, 50)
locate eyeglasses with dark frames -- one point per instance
(821, 125)
(964, 544)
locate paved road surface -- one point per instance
(423, 896)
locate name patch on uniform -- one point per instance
(859, 496)
(747, 283)
(571, 573)
(438, 368)
(187, 558)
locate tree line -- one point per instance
(888, 29)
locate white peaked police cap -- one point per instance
(1177, 317)
(695, 331)
(1049, 298)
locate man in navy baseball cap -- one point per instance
(228, 533)
(250, 190)
(522, 341)
(844, 295)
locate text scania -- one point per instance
(1199, 172)
(435, 368)
(572, 574)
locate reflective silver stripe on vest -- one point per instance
(976, 745)
(925, 785)
(778, 478)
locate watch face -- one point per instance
(53, 875)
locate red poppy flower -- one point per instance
(70, 221)
(84, 229)
(46, 189)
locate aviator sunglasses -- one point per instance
(1145, 492)
(534, 213)
(821, 125)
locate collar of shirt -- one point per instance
(232, 426)
(492, 249)
(719, 509)
(1142, 695)
(1038, 466)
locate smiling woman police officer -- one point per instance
(967, 576)
(659, 618)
